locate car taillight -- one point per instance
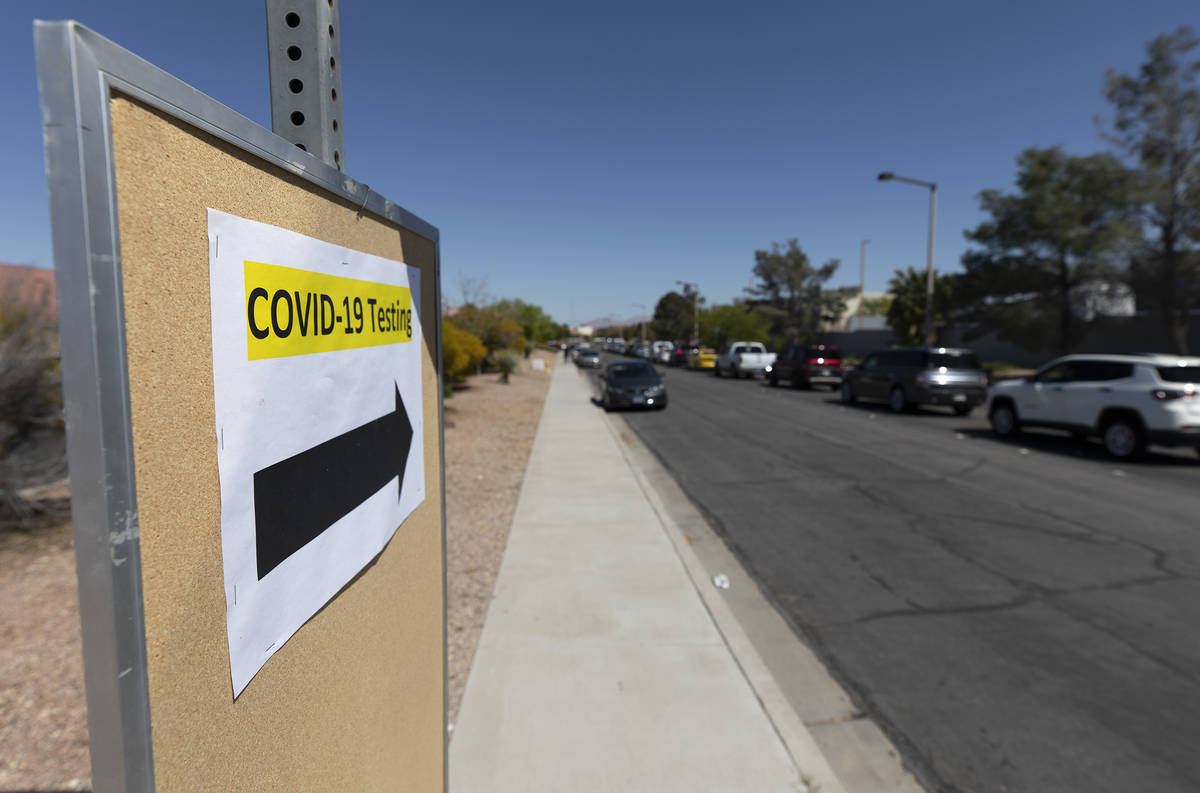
(1167, 394)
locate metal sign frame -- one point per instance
(78, 72)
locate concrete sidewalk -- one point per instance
(601, 667)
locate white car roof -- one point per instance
(1150, 359)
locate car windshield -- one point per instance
(953, 360)
(626, 370)
(1180, 374)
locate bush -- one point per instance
(462, 352)
(507, 363)
(30, 396)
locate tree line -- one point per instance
(1081, 231)
(490, 335)
(1078, 232)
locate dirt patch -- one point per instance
(489, 434)
(43, 714)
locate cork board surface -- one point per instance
(354, 701)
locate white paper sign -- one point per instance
(317, 381)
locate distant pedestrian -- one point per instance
(566, 351)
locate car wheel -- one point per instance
(773, 379)
(897, 401)
(1004, 420)
(717, 371)
(848, 397)
(1124, 438)
(963, 410)
(607, 402)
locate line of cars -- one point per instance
(1128, 402)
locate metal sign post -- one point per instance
(306, 78)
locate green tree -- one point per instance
(496, 331)
(672, 317)
(737, 321)
(535, 323)
(1157, 125)
(906, 309)
(791, 291)
(1066, 226)
(875, 306)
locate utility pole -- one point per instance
(304, 55)
(695, 290)
(888, 176)
(862, 279)
(929, 329)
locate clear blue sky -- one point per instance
(584, 157)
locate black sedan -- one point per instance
(629, 383)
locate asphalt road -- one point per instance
(1017, 616)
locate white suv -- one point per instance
(1126, 400)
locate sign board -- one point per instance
(251, 364)
(316, 354)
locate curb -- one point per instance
(811, 765)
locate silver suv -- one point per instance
(905, 378)
(1126, 400)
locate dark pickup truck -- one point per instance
(804, 366)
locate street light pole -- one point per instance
(888, 176)
(695, 308)
(862, 279)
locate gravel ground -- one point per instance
(489, 433)
(43, 716)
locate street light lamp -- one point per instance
(888, 176)
(695, 308)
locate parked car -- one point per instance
(744, 359)
(1128, 401)
(632, 383)
(804, 366)
(660, 351)
(587, 358)
(905, 378)
(680, 354)
(702, 358)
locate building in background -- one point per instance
(848, 321)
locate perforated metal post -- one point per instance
(306, 84)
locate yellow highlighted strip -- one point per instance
(298, 312)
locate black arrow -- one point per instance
(298, 498)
